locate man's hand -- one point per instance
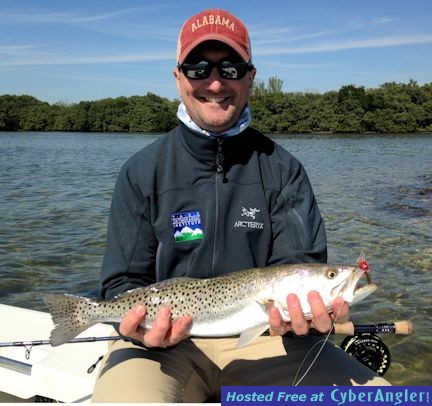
(164, 333)
(321, 320)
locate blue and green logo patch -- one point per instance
(187, 226)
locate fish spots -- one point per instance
(210, 302)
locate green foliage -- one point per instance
(149, 113)
(390, 108)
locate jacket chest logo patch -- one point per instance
(250, 214)
(187, 226)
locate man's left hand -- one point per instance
(321, 319)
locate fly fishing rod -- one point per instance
(28, 345)
(34, 343)
(398, 327)
(361, 342)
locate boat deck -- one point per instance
(58, 373)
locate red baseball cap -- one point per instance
(214, 24)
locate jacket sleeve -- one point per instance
(298, 229)
(130, 253)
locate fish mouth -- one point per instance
(357, 286)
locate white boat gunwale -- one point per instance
(47, 368)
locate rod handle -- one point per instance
(404, 327)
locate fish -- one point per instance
(228, 305)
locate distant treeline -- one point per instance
(390, 108)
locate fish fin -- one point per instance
(282, 307)
(266, 304)
(249, 335)
(68, 315)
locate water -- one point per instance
(375, 194)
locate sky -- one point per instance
(73, 50)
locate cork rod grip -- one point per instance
(404, 327)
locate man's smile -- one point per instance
(214, 99)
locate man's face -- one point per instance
(215, 103)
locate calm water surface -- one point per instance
(375, 194)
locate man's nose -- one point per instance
(215, 81)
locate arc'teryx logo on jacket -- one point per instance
(250, 213)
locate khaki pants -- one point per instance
(194, 370)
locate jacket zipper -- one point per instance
(158, 259)
(218, 203)
(294, 215)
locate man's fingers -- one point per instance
(277, 325)
(298, 322)
(180, 330)
(159, 331)
(130, 323)
(321, 319)
(163, 333)
(340, 310)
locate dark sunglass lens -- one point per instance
(196, 70)
(230, 70)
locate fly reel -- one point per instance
(370, 350)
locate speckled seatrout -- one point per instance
(236, 303)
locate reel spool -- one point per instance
(370, 350)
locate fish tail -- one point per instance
(71, 316)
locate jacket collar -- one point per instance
(235, 150)
(202, 147)
(242, 123)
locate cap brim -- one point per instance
(215, 37)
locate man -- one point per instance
(249, 204)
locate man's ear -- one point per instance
(251, 79)
(252, 76)
(177, 79)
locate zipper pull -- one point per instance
(219, 157)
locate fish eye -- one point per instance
(331, 273)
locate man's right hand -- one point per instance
(164, 333)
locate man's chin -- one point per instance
(216, 127)
(218, 124)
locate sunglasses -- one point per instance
(227, 70)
